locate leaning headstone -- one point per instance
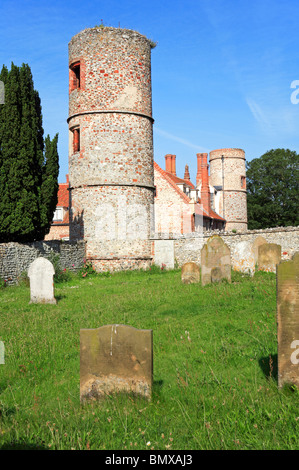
(164, 253)
(255, 247)
(190, 273)
(215, 261)
(287, 281)
(269, 255)
(41, 273)
(115, 359)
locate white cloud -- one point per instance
(274, 120)
(179, 139)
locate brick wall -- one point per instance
(58, 231)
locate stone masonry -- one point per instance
(188, 247)
(227, 171)
(111, 146)
(15, 258)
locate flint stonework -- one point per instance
(190, 273)
(164, 253)
(243, 257)
(215, 261)
(287, 281)
(115, 359)
(41, 273)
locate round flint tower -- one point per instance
(111, 169)
(228, 175)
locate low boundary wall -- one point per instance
(188, 247)
(15, 258)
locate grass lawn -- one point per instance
(215, 366)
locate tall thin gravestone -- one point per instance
(255, 247)
(41, 273)
(215, 261)
(287, 282)
(115, 359)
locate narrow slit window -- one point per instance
(75, 76)
(76, 140)
(243, 182)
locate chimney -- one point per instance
(67, 179)
(168, 159)
(187, 174)
(173, 169)
(205, 189)
(198, 175)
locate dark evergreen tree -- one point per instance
(272, 190)
(28, 164)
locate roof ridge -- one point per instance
(178, 190)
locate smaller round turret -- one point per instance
(228, 176)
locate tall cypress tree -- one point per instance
(28, 162)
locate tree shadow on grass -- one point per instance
(269, 366)
(157, 388)
(59, 297)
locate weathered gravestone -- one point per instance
(164, 253)
(269, 255)
(41, 273)
(287, 281)
(115, 359)
(255, 247)
(215, 261)
(190, 273)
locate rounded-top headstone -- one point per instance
(269, 255)
(190, 273)
(256, 244)
(215, 254)
(41, 273)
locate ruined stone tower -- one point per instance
(228, 176)
(111, 169)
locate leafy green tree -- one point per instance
(28, 162)
(272, 190)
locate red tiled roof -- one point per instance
(178, 180)
(187, 200)
(214, 215)
(174, 180)
(63, 195)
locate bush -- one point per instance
(87, 269)
(23, 279)
(61, 275)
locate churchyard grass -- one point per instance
(215, 366)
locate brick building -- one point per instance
(180, 206)
(60, 228)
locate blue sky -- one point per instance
(221, 72)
